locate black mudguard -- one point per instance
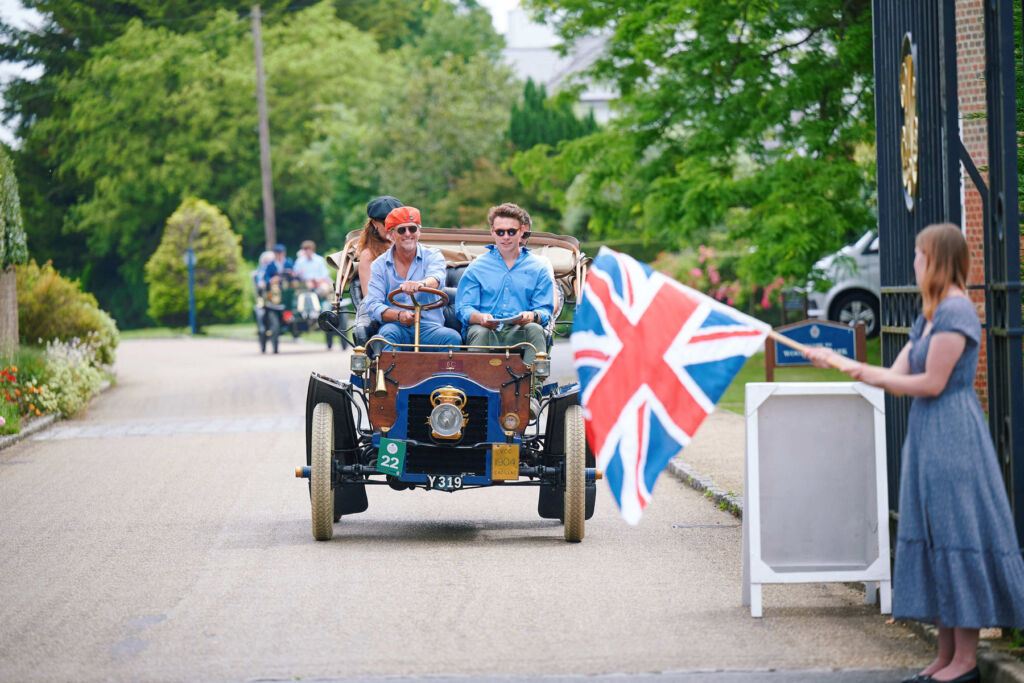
(551, 504)
(350, 498)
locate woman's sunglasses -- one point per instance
(402, 228)
(511, 233)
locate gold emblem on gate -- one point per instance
(505, 462)
(495, 361)
(909, 133)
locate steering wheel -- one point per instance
(442, 299)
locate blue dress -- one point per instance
(957, 559)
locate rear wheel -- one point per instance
(575, 474)
(321, 495)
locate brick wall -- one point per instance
(970, 59)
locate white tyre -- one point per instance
(575, 510)
(321, 495)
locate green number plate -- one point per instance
(391, 457)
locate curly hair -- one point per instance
(507, 210)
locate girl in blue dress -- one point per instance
(958, 563)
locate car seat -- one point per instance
(365, 327)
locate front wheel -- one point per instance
(274, 330)
(321, 495)
(575, 474)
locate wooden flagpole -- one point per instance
(838, 363)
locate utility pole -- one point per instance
(269, 224)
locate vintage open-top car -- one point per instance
(448, 418)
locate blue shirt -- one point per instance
(489, 286)
(428, 262)
(312, 268)
(276, 268)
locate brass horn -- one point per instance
(381, 390)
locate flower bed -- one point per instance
(57, 378)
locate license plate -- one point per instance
(444, 482)
(505, 462)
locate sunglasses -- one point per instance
(511, 233)
(526, 235)
(402, 228)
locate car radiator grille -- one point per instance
(440, 459)
(419, 420)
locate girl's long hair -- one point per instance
(372, 240)
(944, 246)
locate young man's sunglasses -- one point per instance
(402, 228)
(511, 232)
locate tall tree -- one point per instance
(13, 251)
(756, 117)
(60, 46)
(542, 120)
(155, 116)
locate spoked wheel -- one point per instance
(575, 474)
(321, 495)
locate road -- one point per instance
(163, 536)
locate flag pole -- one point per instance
(838, 363)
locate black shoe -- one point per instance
(972, 676)
(918, 678)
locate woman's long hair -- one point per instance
(371, 239)
(944, 246)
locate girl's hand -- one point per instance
(869, 374)
(820, 357)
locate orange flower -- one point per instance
(31, 407)
(38, 412)
(17, 392)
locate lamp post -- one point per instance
(190, 261)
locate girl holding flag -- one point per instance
(958, 564)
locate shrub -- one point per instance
(72, 377)
(219, 277)
(52, 307)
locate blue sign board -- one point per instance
(840, 338)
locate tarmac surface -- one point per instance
(162, 537)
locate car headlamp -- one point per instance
(360, 362)
(446, 420)
(542, 365)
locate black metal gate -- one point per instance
(919, 157)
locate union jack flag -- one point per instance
(653, 357)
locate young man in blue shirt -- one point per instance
(505, 282)
(409, 266)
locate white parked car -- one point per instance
(855, 291)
